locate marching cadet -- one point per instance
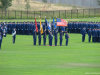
(0, 39)
(83, 32)
(61, 37)
(34, 36)
(39, 37)
(89, 35)
(44, 38)
(14, 35)
(66, 37)
(55, 34)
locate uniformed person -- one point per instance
(0, 39)
(89, 35)
(14, 35)
(34, 36)
(61, 37)
(39, 37)
(83, 32)
(66, 37)
(44, 38)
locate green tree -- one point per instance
(98, 2)
(45, 1)
(5, 4)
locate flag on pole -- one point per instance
(49, 26)
(46, 22)
(61, 22)
(54, 23)
(41, 28)
(36, 25)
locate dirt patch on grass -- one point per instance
(79, 65)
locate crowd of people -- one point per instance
(76, 27)
(29, 28)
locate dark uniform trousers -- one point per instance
(34, 37)
(44, 38)
(51, 40)
(14, 37)
(83, 38)
(61, 38)
(66, 42)
(55, 41)
(39, 41)
(60, 41)
(44, 41)
(39, 37)
(34, 41)
(89, 38)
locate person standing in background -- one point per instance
(14, 35)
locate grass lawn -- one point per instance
(96, 19)
(23, 58)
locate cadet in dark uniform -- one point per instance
(14, 35)
(61, 37)
(0, 39)
(34, 36)
(39, 37)
(83, 32)
(89, 35)
(66, 37)
(44, 38)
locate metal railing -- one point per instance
(66, 14)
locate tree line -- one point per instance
(4, 4)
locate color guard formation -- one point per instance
(51, 30)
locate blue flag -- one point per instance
(54, 23)
(49, 26)
(58, 20)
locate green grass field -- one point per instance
(96, 19)
(23, 58)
